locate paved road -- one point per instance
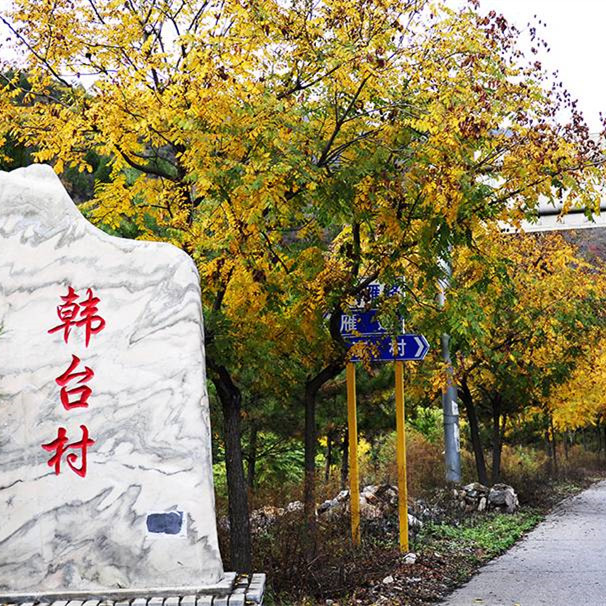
(560, 563)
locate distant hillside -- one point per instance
(592, 242)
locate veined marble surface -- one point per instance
(143, 515)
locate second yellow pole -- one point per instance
(354, 482)
(401, 458)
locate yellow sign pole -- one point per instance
(401, 457)
(354, 481)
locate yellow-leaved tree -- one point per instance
(524, 312)
(581, 401)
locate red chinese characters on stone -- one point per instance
(92, 322)
(68, 313)
(75, 397)
(60, 446)
(73, 312)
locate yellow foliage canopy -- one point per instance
(295, 151)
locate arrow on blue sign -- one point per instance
(390, 349)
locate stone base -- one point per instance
(232, 590)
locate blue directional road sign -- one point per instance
(361, 322)
(390, 349)
(375, 290)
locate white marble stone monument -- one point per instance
(105, 455)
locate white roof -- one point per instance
(549, 218)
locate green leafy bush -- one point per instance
(486, 535)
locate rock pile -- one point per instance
(477, 497)
(379, 503)
(503, 497)
(376, 503)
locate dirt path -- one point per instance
(560, 563)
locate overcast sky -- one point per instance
(575, 33)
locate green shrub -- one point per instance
(487, 535)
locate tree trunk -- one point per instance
(239, 523)
(251, 458)
(345, 459)
(309, 487)
(583, 439)
(497, 442)
(474, 430)
(329, 441)
(548, 452)
(566, 440)
(312, 387)
(553, 445)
